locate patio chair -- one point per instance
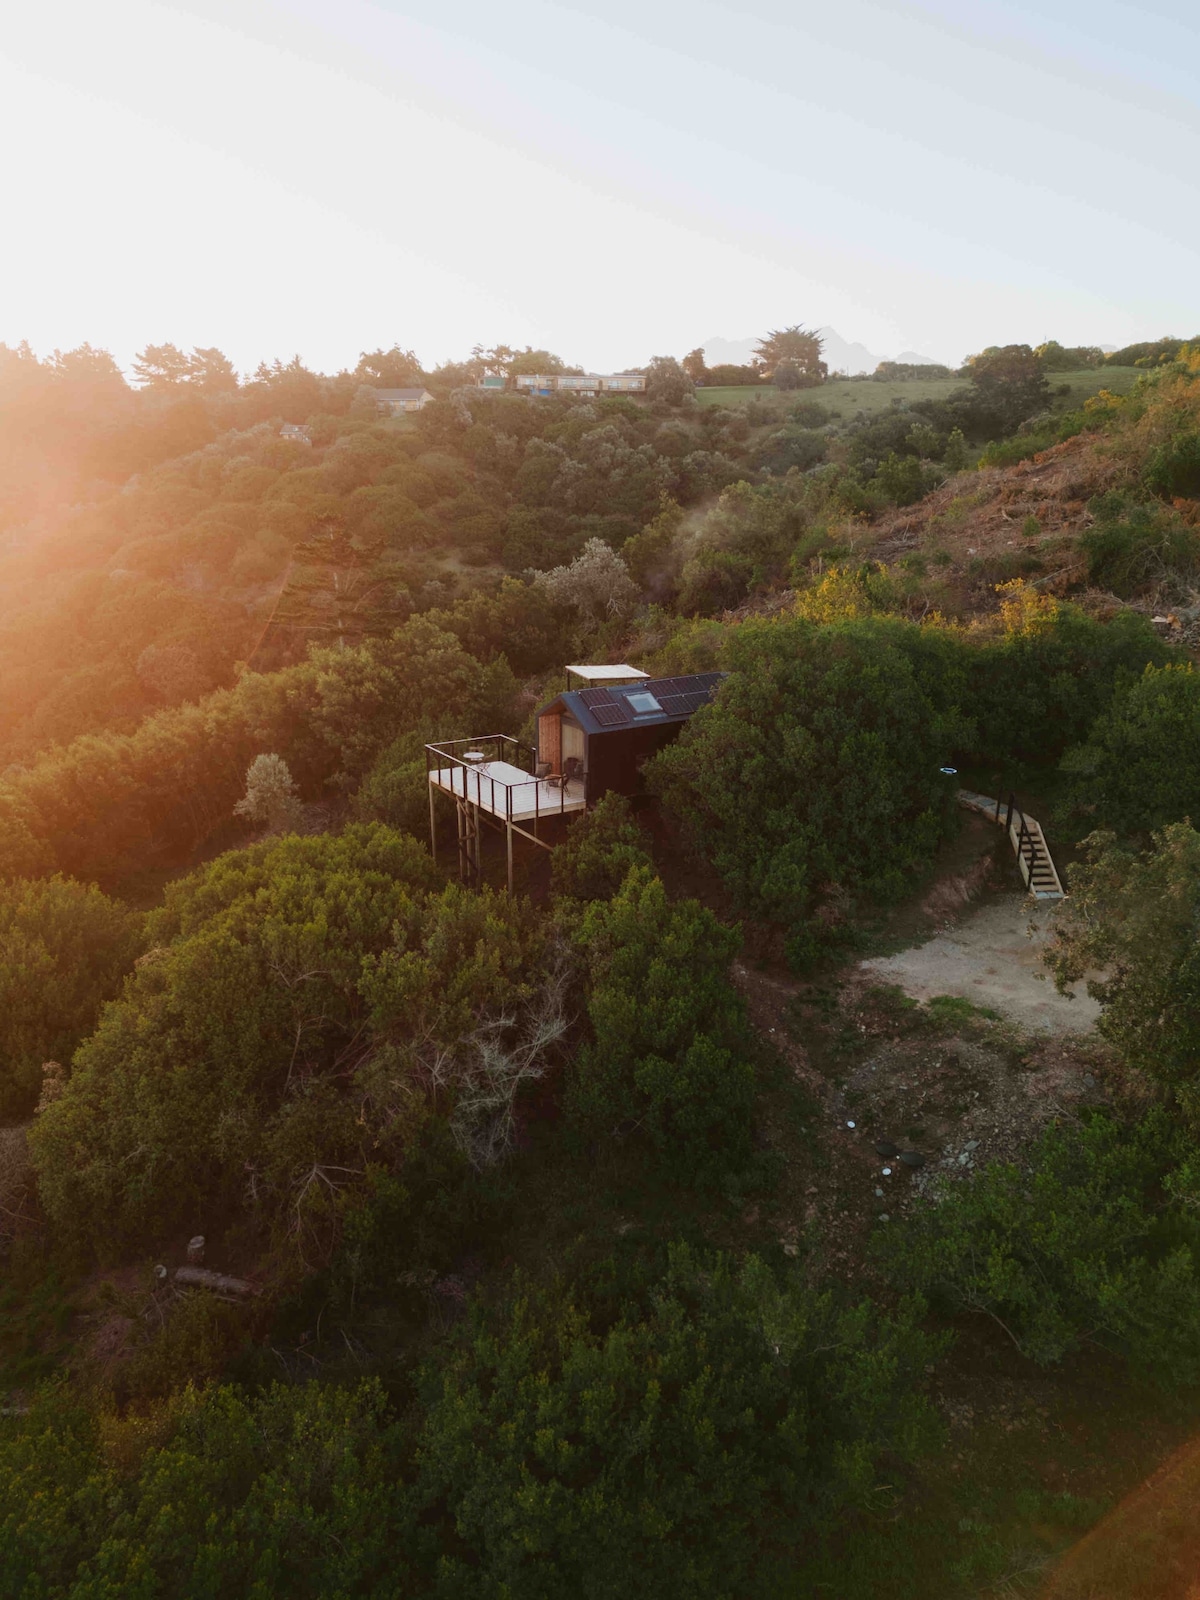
(572, 769)
(542, 771)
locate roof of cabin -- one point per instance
(614, 707)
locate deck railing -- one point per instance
(483, 788)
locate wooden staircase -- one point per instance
(1027, 839)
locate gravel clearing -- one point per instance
(992, 957)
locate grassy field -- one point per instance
(852, 397)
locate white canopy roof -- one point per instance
(608, 674)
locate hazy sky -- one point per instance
(612, 180)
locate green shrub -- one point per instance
(1133, 917)
(715, 580)
(793, 447)
(1071, 1251)
(1174, 467)
(844, 593)
(685, 1445)
(192, 1343)
(1129, 547)
(816, 771)
(64, 948)
(1040, 685)
(1140, 767)
(300, 1492)
(593, 860)
(810, 414)
(667, 1027)
(1040, 434)
(904, 479)
(683, 1432)
(395, 788)
(287, 1039)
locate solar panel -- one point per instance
(609, 716)
(623, 704)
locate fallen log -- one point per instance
(219, 1282)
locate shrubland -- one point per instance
(215, 542)
(1139, 768)
(1076, 1249)
(1130, 928)
(508, 1171)
(302, 1011)
(817, 772)
(674, 1435)
(64, 949)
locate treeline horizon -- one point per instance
(208, 370)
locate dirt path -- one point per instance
(992, 957)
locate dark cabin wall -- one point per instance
(615, 760)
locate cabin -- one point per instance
(591, 741)
(607, 731)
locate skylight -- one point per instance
(643, 703)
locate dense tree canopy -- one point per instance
(667, 1056)
(1068, 1250)
(1132, 918)
(306, 1006)
(816, 773)
(1140, 766)
(681, 1442)
(669, 1451)
(64, 948)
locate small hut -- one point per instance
(590, 741)
(604, 735)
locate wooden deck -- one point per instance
(504, 791)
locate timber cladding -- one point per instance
(549, 740)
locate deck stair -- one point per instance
(1027, 839)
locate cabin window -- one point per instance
(643, 704)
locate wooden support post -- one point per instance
(472, 869)
(508, 832)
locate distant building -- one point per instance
(398, 402)
(299, 432)
(588, 384)
(494, 381)
(534, 383)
